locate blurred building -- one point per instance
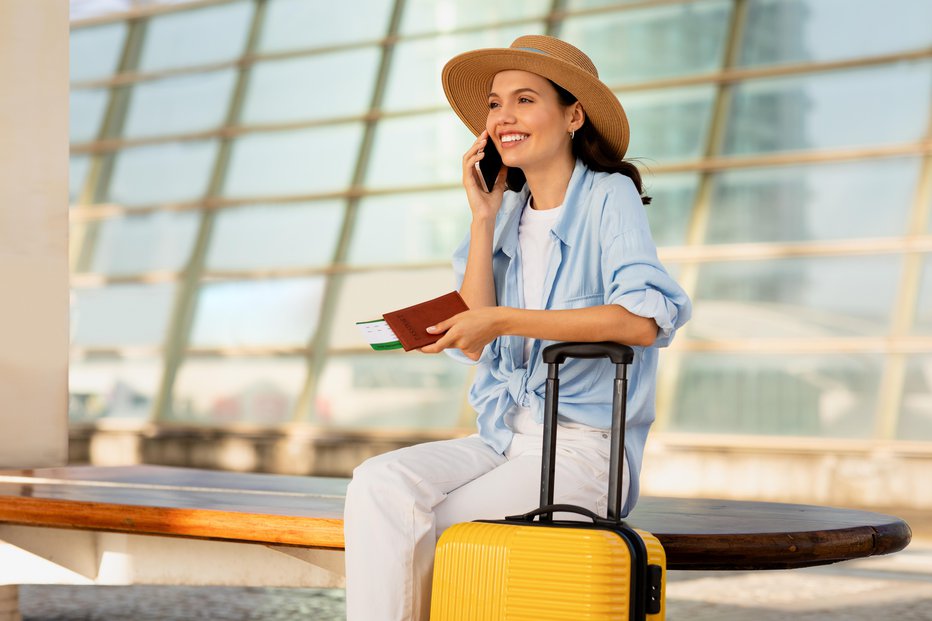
(251, 177)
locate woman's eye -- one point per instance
(524, 100)
(493, 105)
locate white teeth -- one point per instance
(513, 137)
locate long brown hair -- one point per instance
(591, 148)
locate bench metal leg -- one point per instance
(9, 603)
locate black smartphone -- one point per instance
(489, 166)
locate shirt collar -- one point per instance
(566, 226)
(573, 202)
(511, 217)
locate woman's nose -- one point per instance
(506, 114)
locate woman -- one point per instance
(559, 250)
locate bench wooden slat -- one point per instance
(323, 530)
(307, 511)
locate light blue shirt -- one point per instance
(604, 255)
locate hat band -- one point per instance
(532, 49)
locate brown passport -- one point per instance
(410, 324)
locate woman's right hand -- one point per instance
(484, 205)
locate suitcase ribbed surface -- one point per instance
(499, 572)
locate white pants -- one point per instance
(399, 503)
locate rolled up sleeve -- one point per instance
(635, 279)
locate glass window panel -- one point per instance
(793, 31)
(858, 107)
(82, 9)
(669, 124)
(924, 304)
(112, 388)
(444, 15)
(915, 421)
(797, 203)
(648, 44)
(178, 39)
(280, 312)
(95, 51)
(673, 269)
(275, 236)
(145, 243)
(421, 150)
(671, 206)
(831, 395)
(87, 108)
(179, 104)
(177, 171)
(311, 87)
(253, 390)
(77, 174)
(391, 390)
(320, 159)
(795, 298)
(572, 5)
(409, 228)
(366, 296)
(121, 315)
(292, 24)
(414, 78)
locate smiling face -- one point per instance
(528, 123)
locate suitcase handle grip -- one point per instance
(554, 355)
(550, 509)
(559, 352)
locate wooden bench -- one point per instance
(160, 525)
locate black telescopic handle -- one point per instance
(559, 352)
(554, 356)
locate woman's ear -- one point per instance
(577, 116)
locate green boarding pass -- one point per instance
(379, 336)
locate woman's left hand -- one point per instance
(469, 331)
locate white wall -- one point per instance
(33, 232)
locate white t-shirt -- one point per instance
(537, 245)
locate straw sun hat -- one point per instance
(468, 77)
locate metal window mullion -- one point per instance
(669, 376)
(144, 12)
(140, 12)
(919, 245)
(799, 346)
(555, 18)
(100, 171)
(318, 344)
(893, 381)
(179, 330)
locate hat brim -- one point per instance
(468, 77)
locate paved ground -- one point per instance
(896, 587)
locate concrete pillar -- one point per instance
(9, 603)
(33, 233)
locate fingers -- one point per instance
(477, 145)
(442, 344)
(437, 347)
(442, 326)
(476, 152)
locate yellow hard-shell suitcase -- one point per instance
(532, 567)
